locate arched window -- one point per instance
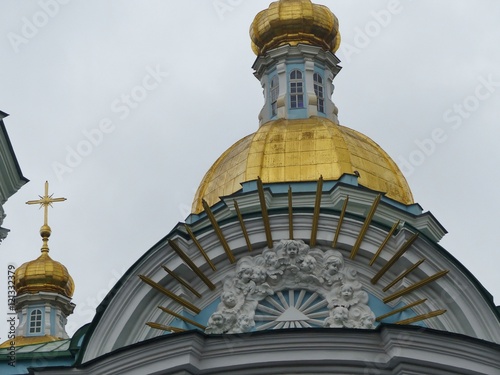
(319, 91)
(275, 90)
(36, 321)
(296, 89)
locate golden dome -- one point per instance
(294, 22)
(43, 275)
(302, 150)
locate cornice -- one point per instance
(390, 349)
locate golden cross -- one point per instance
(45, 202)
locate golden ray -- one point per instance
(243, 227)
(317, 209)
(218, 232)
(181, 281)
(403, 275)
(171, 295)
(418, 318)
(341, 220)
(387, 238)
(265, 216)
(365, 227)
(415, 286)
(191, 264)
(183, 318)
(394, 258)
(404, 308)
(200, 248)
(161, 327)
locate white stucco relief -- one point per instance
(291, 286)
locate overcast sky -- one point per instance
(169, 87)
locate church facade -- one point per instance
(11, 176)
(305, 252)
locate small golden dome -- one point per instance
(302, 150)
(43, 275)
(294, 22)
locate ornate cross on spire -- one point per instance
(45, 202)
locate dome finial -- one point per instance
(45, 202)
(294, 22)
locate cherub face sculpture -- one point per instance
(217, 320)
(308, 264)
(244, 323)
(271, 259)
(332, 265)
(346, 292)
(292, 249)
(259, 276)
(340, 314)
(245, 274)
(229, 299)
(367, 321)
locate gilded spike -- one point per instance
(218, 232)
(243, 227)
(387, 238)
(415, 286)
(191, 264)
(202, 251)
(341, 220)
(418, 318)
(365, 227)
(183, 318)
(265, 215)
(395, 258)
(404, 308)
(181, 281)
(161, 327)
(317, 209)
(403, 275)
(171, 295)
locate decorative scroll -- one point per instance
(291, 285)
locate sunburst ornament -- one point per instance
(291, 309)
(291, 286)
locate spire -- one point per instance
(44, 289)
(43, 273)
(295, 42)
(45, 202)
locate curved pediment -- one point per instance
(390, 271)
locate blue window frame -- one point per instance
(274, 92)
(296, 89)
(319, 91)
(35, 322)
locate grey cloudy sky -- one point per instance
(169, 86)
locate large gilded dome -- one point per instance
(43, 275)
(294, 22)
(302, 150)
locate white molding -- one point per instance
(390, 350)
